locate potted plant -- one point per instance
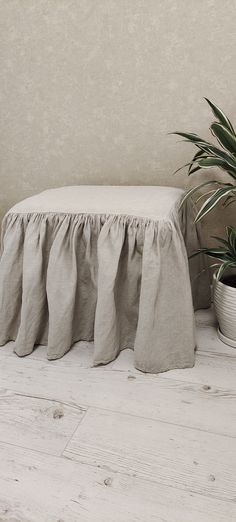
(221, 155)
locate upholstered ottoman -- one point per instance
(102, 263)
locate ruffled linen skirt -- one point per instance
(119, 278)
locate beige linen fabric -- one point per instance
(104, 263)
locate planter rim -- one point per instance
(226, 340)
(229, 288)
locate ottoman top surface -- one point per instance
(140, 201)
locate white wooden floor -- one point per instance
(111, 444)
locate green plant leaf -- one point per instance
(215, 265)
(210, 155)
(209, 251)
(195, 169)
(231, 236)
(204, 195)
(206, 163)
(199, 154)
(218, 153)
(231, 173)
(210, 161)
(183, 166)
(224, 137)
(225, 243)
(221, 240)
(191, 191)
(217, 253)
(190, 136)
(210, 149)
(219, 114)
(229, 200)
(222, 269)
(212, 201)
(230, 230)
(222, 257)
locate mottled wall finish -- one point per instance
(90, 89)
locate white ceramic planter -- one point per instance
(224, 297)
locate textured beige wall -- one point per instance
(90, 89)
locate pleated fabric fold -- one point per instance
(166, 331)
(121, 281)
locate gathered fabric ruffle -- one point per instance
(119, 280)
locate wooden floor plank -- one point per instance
(41, 488)
(80, 354)
(195, 405)
(206, 317)
(209, 369)
(208, 341)
(154, 447)
(36, 423)
(179, 402)
(179, 457)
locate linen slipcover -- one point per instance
(103, 263)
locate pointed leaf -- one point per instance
(183, 166)
(229, 202)
(231, 234)
(213, 252)
(204, 195)
(195, 169)
(230, 230)
(223, 241)
(215, 265)
(199, 154)
(218, 153)
(222, 269)
(211, 162)
(191, 191)
(212, 201)
(219, 114)
(190, 136)
(224, 137)
(231, 172)
(212, 150)
(221, 257)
